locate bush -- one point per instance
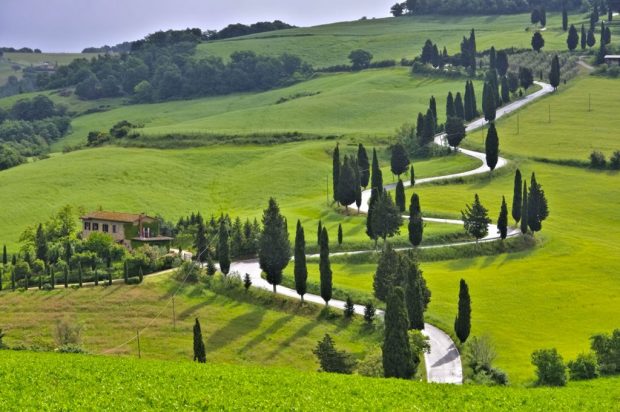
(584, 367)
(67, 333)
(597, 160)
(607, 349)
(614, 161)
(331, 359)
(372, 366)
(479, 357)
(70, 348)
(188, 272)
(550, 368)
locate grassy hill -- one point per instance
(24, 60)
(394, 38)
(156, 385)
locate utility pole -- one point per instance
(174, 316)
(139, 351)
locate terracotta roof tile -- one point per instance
(116, 216)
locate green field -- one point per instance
(394, 38)
(29, 59)
(157, 385)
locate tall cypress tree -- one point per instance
(564, 19)
(459, 109)
(301, 270)
(591, 38)
(200, 242)
(450, 110)
(517, 197)
(416, 224)
(376, 181)
(325, 269)
(274, 246)
(200, 354)
(573, 38)
(5, 257)
(347, 183)
(336, 171)
(502, 220)
(524, 213)
(554, 73)
(319, 232)
(41, 244)
(537, 209)
(399, 162)
(505, 90)
(412, 176)
(474, 104)
(472, 52)
(420, 126)
(468, 115)
(432, 105)
(489, 105)
(584, 37)
(502, 63)
(363, 165)
(492, 147)
(400, 196)
(417, 295)
(80, 274)
(66, 276)
(386, 218)
(385, 274)
(223, 249)
(429, 128)
(340, 236)
(492, 59)
(397, 355)
(462, 323)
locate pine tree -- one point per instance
(369, 312)
(385, 275)
(200, 355)
(583, 38)
(400, 196)
(475, 219)
(319, 231)
(397, 355)
(450, 110)
(432, 105)
(349, 308)
(412, 176)
(417, 295)
(502, 63)
(538, 42)
(347, 183)
(502, 220)
(274, 246)
(364, 165)
(336, 171)
(572, 41)
(459, 109)
(247, 282)
(505, 90)
(554, 74)
(416, 224)
(516, 197)
(399, 161)
(524, 212)
(325, 269)
(492, 147)
(339, 234)
(462, 323)
(489, 105)
(223, 248)
(386, 218)
(564, 19)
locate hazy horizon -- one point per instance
(72, 25)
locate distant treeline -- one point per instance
(237, 30)
(483, 7)
(22, 50)
(124, 47)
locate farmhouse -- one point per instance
(128, 229)
(612, 59)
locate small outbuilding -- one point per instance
(612, 59)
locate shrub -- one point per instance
(479, 357)
(584, 367)
(607, 349)
(614, 160)
(67, 333)
(331, 359)
(369, 313)
(349, 308)
(597, 160)
(188, 272)
(70, 348)
(372, 366)
(550, 368)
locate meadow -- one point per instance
(394, 38)
(155, 385)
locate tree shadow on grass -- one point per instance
(235, 329)
(274, 327)
(192, 309)
(302, 332)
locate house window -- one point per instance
(86, 225)
(95, 226)
(113, 228)
(105, 228)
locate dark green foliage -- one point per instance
(550, 368)
(572, 41)
(505, 90)
(416, 224)
(459, 109)
(399, 161)
(377, 176)
(223, 249)
(417, 294)
(200, 242)
(419, 126)
(397, 355)
(432, 105)
(200, 354)
(491, 146)
(397, 9)
(336, 171)
(450, 110)
(412, 176)
(502, 220)
(385, 275)
(348, 182)
(331, 359)
(274, 246)
(583, 38)
(607, 349)
(386, 219)
(363, 165)
(597, 160)
(584, 367)
(140, 275)
(517, 197)
(564, 19)
(211, 268)
(41, 244)
(369, 313)
(475, 219)
(538, 42)
(524, 212)
(80, 275)
(325, 268)
(470, 109)
(535, 15)
(400, 196)
(319, 232)
(526, 77)
(349, 308)
(554, 74)
(360, 59)
(5, 257)
(591, 38)
(455, 131)
(428, 132)
(462, 323)
(489, 105)
(537, 209)
(493, 59)
(502, 63)
(600, 56)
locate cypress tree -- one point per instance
(376, 190)
(602, 52)
(336, 172)
(417, 295)
(420, 126)
(200, 242)
(502, 220)
(363, 165)
(13, 279)
(573, 38)
(517, 197)
(399, 161)
(223, 248)
(475, 219)
(347, 183)
(126, 271)
(386, 218)
(377, 176)
(492, 59)
(591, 39)
(96, 276)
(41, 244)
(492, 147)
(325, 269)
(385, 274)
(400, 196)
(505, 90)
(524, 213)
(319, 231)
(472, 52)
(5, 257)
(474, 105)
(416, 224)
(274, 246)
(489, 105)
(80, 274)
(433, 108)
(200, 355)
(412, 176)
(554, 73)
(502, 63)
(462, 323)
(455, 131)
(543, 16)
(40, 281)
(301, 270)
(564, 19)
(349, 308)
(429, 128)
(450, 109)
(607, 35)
(537, 210)
(538, 42)
(459, 109)
(584, 37)
(52, 278)
(468, 115)
(339, 234)
(397, 355)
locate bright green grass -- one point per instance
(370, 103)
(133, 384)
(244, 329)
(393, 38)
(218, 179)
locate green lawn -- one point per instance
(394, 38)
(158, 385)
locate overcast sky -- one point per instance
(71, 25)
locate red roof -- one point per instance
(117, 217)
